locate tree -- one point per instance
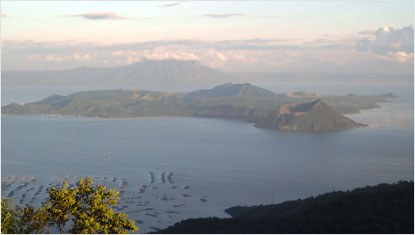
(92, 214)
(34, 220)
(60, 206)
(9, 218)
(81, 209)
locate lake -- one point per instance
(226, 163)
(169, 169)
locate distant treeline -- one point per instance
(385, 208)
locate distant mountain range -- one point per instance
(164, 74)
(151, 72)
(244, 102)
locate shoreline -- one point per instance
(361, 117)
(385, 116)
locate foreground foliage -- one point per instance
(81, 209)
(9, 218)
(385, 208)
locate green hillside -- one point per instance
(244, 102)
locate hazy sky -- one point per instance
(319, 36)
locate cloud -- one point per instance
(255, 44)
(81, 56)
(171, 4)
(223, 15)
(367, 32)
(403, 56)
(329, 54)
(221, 56)
(61, 57)
(99, 16)
(389, 41)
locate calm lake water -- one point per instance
(224, 162)
(196, 167)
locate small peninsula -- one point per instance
(295, 111)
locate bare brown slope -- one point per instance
(312, 116)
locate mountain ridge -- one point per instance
(147, 72)
(165, 74)
(243, 102)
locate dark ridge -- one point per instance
(385, 208)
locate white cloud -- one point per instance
(367, 32)
(403, 56)
(221, 56)
(81, 56)
(54, 58)
(389, 41)
(330, 54)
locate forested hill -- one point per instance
(246, 102)
(385, 208)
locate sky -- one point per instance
(248, 36)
